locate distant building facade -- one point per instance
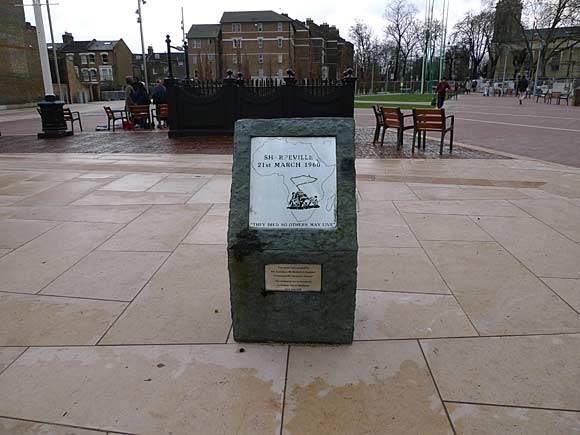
(264, 44)
(20, 72)
(157, 67)
(560, 60)
(89, 68)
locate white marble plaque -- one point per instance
(293, 183)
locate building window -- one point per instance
(106, 73)
(91, 58)
(93, 73)
(280, 73)
(179, 63)
(260, 58)
(261, 72)
(260, 27)
(236, 27)
(194, 59)
(196, 74)
(280, 27)
(280, 58)
(85, 75)
(210, 57)
(280, 43)
(105, 58)
(235, 59)
(260, 42)
(196, 43)
(237, 42)
(157, 56)
(209, 42)
(138, 57)
(84, 60)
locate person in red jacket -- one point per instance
(441, 91)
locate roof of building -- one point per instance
(559, 32)
(253, 17)
(82, 46)
(204, 31)
(103, 45)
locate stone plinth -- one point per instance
(292, 241)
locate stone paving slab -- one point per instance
(378, 388)
(467, 321)
(535, 371)
(152, 390)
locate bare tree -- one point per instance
(364, 47)
(474, 33)
(402, 29)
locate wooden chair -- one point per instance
(432, 120)
(394, 118)
(72, 117)
(554, 95)
(114, 116)
(379, 123)
(141, 115)
(160, 113)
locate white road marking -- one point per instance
(518, 125)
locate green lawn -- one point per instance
(395, 97)
(402, 106)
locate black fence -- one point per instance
(198, 108)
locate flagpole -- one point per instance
(182, 24)
(424, 63)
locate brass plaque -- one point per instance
(293, 277)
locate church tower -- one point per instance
(508, 15)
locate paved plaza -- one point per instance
(548, 132)
(115, 315)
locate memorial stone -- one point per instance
(292, 243)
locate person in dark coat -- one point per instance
(522, 88)
(441, 91)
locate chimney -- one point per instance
(150, 50)
(308, 22)
(67, 37)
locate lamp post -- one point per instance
(140, 21)
(539, 59)
(51, 113)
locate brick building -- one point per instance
(205, 51)
(20, 72)
(264, 44)
(157, 68)
(99, 66)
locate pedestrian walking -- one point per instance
(522, 89)
(468, 87)
(129, 90)
(441, 91)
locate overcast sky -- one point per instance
(114, 19)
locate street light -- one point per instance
(140, 21)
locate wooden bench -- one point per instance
(432, 120)
(394, 118)
(160, 113)
(565, 97)
(114, 116)
(141, 113)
